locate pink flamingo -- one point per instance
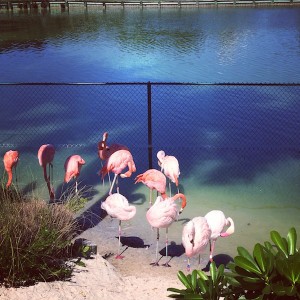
(73, 165)
(45, 156)
(170, 166)
(162, 214)
(116, 163)
(195, 238)
(217, 222)
(10, 161)
(117, 206)
(154, 180)
(105, 151)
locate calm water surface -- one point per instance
(170, 44)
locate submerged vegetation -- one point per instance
(272, 272)
(35, 238)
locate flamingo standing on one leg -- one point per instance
(45, 156)
(10, 161)
(162, 214)
(117, 206)
(170, 166)
(73, 165)
(217, 221)
(195, 238)
(154, 180)
(116, 163)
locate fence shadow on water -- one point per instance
(221, 133)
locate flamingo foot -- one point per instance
(119, 256)
(155, 264)
(166, 265)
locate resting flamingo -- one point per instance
(10, 161)
(195, 238)
(217, 222)
(162, 214)
(73, 165)
(105, 151)
(116, 163)
(117, 206)
(154, 180)
(170, 166)
(45, 156)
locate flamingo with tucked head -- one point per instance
(162, 214)
(73, 165)
(217, 222)
(10, 161)
(154, 180)
(195, 238)
(117, 206)
(45, 156)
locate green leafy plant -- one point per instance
(272, 272)
(198, 285)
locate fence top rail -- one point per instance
(147, 83)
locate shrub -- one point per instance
(273, 272)
(34, 239)
(201, 286)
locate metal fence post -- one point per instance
(149, 125)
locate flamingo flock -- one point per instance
(197, 233)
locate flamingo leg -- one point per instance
(113, 183)
(188, 267)
(76, 186)
(119, 256)
(50, 180)
(170, 189)
(16, 175)
(150, 197)
(166, 264)
(212, 248)
(156, 252)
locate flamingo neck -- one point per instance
(183, 203)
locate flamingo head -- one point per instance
(102, 147)
(160, 155)
(230, 229)
(188, 235)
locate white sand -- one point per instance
(98, 280)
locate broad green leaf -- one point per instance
(202, 275)
(247, 265)
(220, 271)
(243, 252)
(194, 280)
(174, 290)
(203, 285)
(279, 242)
(292, 241)
(213, 271)
(260, 257)
(184, 280)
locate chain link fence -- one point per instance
(245, 126)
